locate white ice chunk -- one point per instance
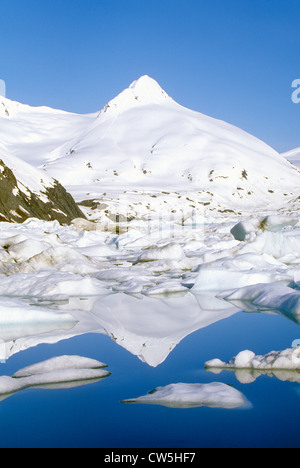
(50, 284)
(167, 287)
(287, 359)
(244, 229)
(62, 372)
(221, 279)
(277, 223)
(182, 395)
(284, 248)
(168, 252)
(60, 363)
(267, 297)
(26, 249)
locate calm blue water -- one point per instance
(93, 415)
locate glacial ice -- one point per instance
(134, 286)
(264, 297)
(245, 230)
(50, 285)
(58, 372)
(182, 395)
(60, 363)
(288, 359)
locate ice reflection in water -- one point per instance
(148, 327)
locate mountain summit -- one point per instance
(147, 88)
(143, 91)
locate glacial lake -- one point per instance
(94, 415)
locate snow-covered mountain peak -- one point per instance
(143, 91)
(147, 88)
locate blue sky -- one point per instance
(231, 59)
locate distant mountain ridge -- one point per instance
(143, 140)
(293, 156)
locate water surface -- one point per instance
(93, 415)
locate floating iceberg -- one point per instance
(266, 297)
(59, 372)
(60, 363)
(236, 273)
(281, 360)
(182, 395)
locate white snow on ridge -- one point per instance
(293, 156)
(28, 177)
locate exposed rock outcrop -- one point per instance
(19, 202)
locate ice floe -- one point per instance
(60, 363)
(285, 365)
(183, 395)
(58, 372)
(266, 297)
(286, 359)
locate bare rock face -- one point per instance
(18, 202)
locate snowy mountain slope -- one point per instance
(35, 133)
(144, 140)
(293, 156)
(28, 192)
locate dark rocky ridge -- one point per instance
(17, 205)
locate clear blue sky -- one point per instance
(231, 59)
